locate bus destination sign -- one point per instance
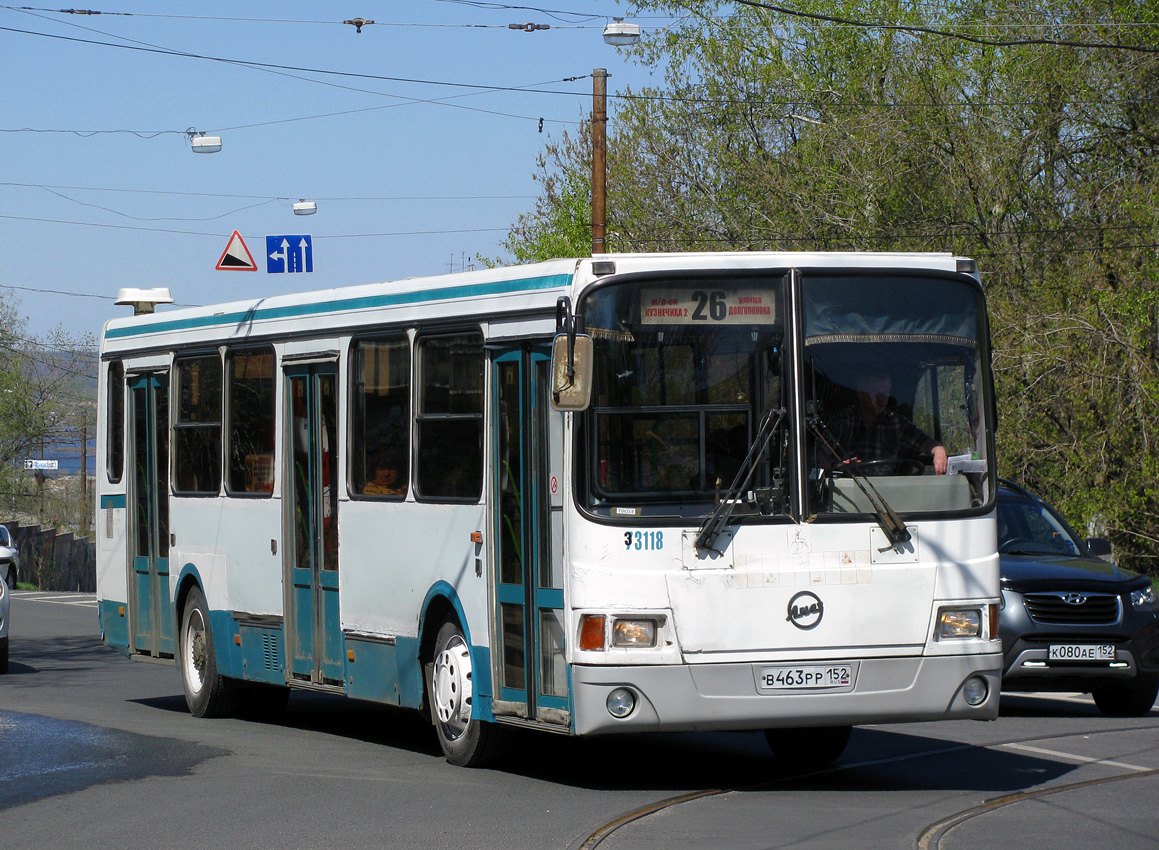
(706, 306)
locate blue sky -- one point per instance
(410, 178)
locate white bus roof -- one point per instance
(473, 295)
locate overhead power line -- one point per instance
(272, 197)
(972, 39)
(226, 235)
(324, 71)
(556, 14)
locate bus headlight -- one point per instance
(634, 633)
(621, 702)
(959, 623)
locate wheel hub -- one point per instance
(453, 688)
(196, 654)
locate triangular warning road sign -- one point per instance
(236, 257)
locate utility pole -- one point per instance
(599, 159)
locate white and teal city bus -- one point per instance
(604, 495)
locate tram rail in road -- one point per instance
(1051, 766)
(932, 836)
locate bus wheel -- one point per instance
(206, 693)
(808, 749)
(466, 741)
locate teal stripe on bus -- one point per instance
(474, 290)
(116, 500)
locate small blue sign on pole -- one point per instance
(289, 254)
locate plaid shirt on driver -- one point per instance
(891, 437)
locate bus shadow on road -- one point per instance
(373, 723)
(876, 759)
(61, 655)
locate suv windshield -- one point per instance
(1026, 527)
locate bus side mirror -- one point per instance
(571, 372)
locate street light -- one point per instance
(304, 207)
(618, 34)
(201, 143)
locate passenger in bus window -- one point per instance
(387, 478)
(872, 432)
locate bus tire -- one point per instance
(206, 693)
(465, 740)
(808, 749)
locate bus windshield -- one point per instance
(686, 369)
(892, 372)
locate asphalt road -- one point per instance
(98, 751)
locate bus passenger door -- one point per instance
(313, 628)
(533, 677)
(152, 618)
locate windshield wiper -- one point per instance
(718, 519)
(887, 518)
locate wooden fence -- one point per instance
(55, 560)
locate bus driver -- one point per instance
(872, 432)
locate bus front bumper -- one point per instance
(702, 697)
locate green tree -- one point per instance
(1023, 136)
(560, 225)
(47, 402)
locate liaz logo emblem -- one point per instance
(805, 610)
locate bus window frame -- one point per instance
(179, 428)
(115, 421)
(419, 416)
(356, 415)
(227, 435)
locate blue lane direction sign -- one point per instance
(289, 254)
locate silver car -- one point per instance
(4, 607)
(9, 558)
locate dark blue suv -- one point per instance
(1071, 621)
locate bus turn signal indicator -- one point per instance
(592, 632)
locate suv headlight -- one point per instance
(1144, 599)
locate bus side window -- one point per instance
(115, 398)
(197, 427)
(450, 418)
(380, 417)
(251, 411)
